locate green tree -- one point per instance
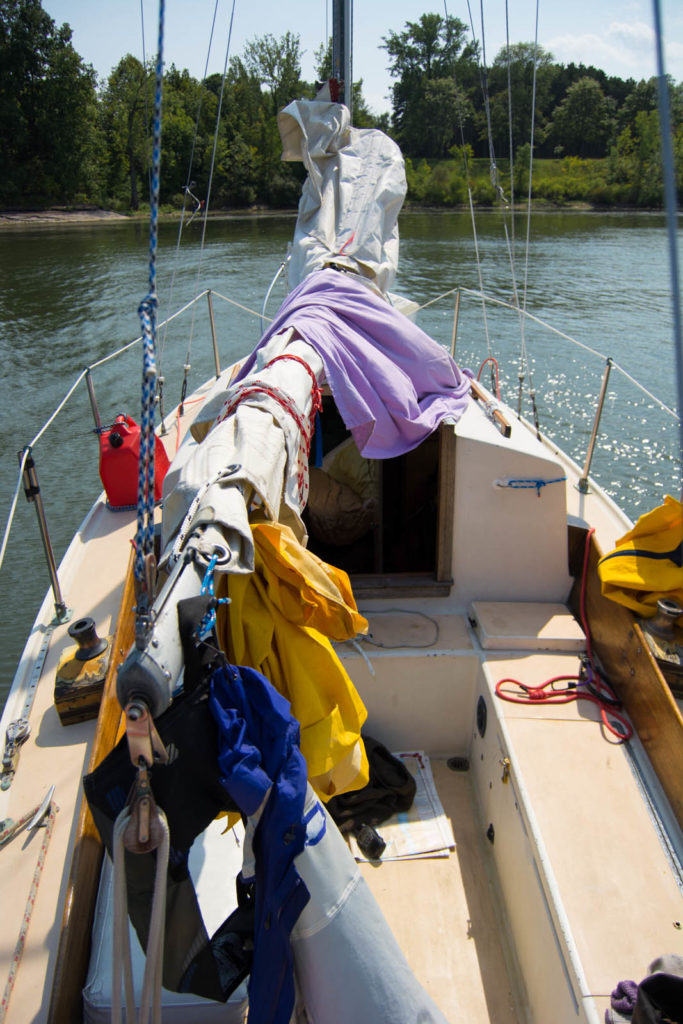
(276, 63)
(439, 115)
(126, 107)
(635, 162)
(47, 109)
(511, 88)
(428, 51)
(584, 121)
(189, 113)
(252, 169)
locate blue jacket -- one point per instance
(258, 751)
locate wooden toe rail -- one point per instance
(79, 907)
(638, 682)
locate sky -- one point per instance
(615, 35)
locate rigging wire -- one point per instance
(668, 170)
(483, 77)
(471, 209)
(148, 162)
(560, 334)
(188, 183)
(510, 141)
(208, 192)
(79, 379)
(510, 239)
(252, 312)
(524, 367)
(524, 355)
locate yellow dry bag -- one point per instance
(647, 563)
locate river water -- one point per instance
(69, 297)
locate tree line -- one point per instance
(68, 138)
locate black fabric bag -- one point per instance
(390, 789)
(190, 792)
(660, 1000)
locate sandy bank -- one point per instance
(58, 215)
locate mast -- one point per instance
(342, 46)
(670, 204)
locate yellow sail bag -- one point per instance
(647, 562)
(278, 621)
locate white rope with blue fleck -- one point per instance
(144, 543)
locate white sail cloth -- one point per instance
(347, 963)
(350, 201)
(261, 438)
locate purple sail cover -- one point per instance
(391, 382)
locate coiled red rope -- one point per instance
(588, 685)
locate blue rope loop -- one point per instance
(144, 541)
(208, 622)
(529, 483)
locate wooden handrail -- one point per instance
(495, 414)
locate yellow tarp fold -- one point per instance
(278, 622)
(647, 562)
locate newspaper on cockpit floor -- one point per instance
(422, 831)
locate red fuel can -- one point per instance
(119, 462)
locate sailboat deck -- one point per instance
(442, 913)
(586, 891)
(611, 875)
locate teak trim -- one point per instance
(73, 953)
(624, 653)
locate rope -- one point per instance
(144, 545)
(272, 284)
(150, 998)
(594, 689)
(30, 903)
(530, 483)
(208, 621)
(316, 393)
(494, 373)
(251, 388)
(588, 685)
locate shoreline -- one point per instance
(57, 215)
(60, 216)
